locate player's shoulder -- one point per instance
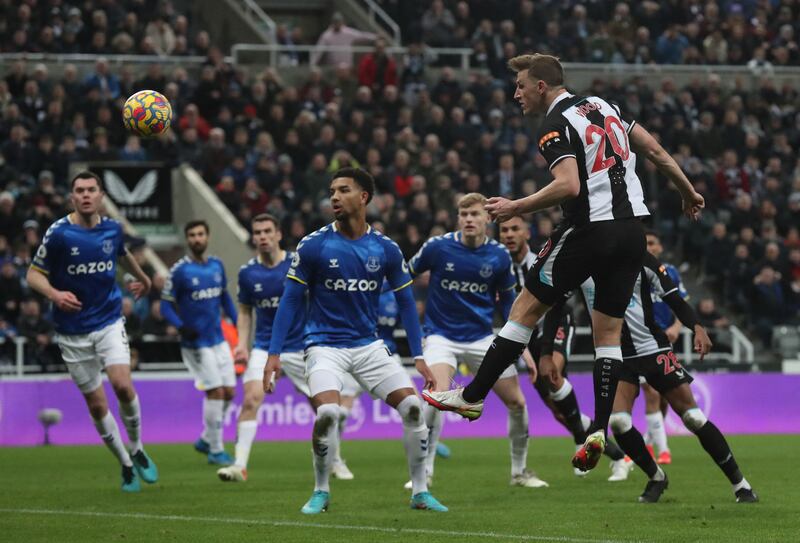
(442, 240)
(498, 248)
(217, 261)
(385, 241)
(244, 268)
(556, 115)
(180, 264)
(109, 223)
(653, 264)
(57, 227)
(315, 239)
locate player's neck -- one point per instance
(520, 255)
(198, 257)
(473, 241)
(352, 227)
(552, 96)
(86, 221)
(271, 258)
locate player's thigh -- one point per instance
(509, 392)
(681, 398)
(83, 365)
(618, 252)
(255, 366)
(627, 387)
(378, 372)
(293, 366)
(563, 264)
(111, 344)
(472, 354)
(253, 395)
(439, 351)
(325, 370)
(202, 365)
(652, 398)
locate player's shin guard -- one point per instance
(607, 365)
(567, 404)
(324, 443)
(132, 419)
(245, 435)
(212, 418)
(518, 436)
(656, 431)
(109, 431)
(714, 443)
(434, 421)
(415, 441)
(506, 348)
(632, 443)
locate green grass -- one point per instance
(81, 484)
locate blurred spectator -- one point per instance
(39, 331)
(339, 35)
(156, 325)
(133, 324)
(377, 69)
(768, 303)
(11, 292)
(104, 80)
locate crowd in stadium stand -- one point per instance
(265, 145)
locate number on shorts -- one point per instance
(600, 161)
(669, 361)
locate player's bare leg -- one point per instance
(119, 375)
(656, 431)
(632, 442)
(508, 391)
(682, 401)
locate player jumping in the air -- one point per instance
(342, 266)
(261, 283)
(469, 272)
(75, 267)
(588, 144)
(197, 288)
(550, 349)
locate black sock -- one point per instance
(500, 355)
(632, 443)
(606, 376)
(568, 407)
(613, 451)
(717, 447)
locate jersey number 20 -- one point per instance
(600, 161)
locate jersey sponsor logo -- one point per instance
(464, 286)
(88, 268)
(333, 262)
(351, 285)
(449, 267)
(74, 251)
(373, 264)
(207, 293)
(108, 246)
(269, 303)
(584, 109)
(551, 137)
(486, 271)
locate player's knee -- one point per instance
(251, 403)
(620, 422)
(124, 392)
(516, 403)
(410, 410)
(327, 416)
(694, 419)
(228, 393)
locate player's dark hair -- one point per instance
(651, 232)
(266, 217)
(539, 66)
(361, 177)
(86, 174)
(195, 224)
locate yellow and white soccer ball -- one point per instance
(147, 114)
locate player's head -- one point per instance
(515, 233)
(537, 76)
(654, 246)
(266, 232)
(196, 233)
(472, 217)
(86, 192)
(350, 191)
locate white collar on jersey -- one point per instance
(336, 228)
(562, 96)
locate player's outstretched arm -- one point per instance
(645, 144)
(63, 300)
(142, 285)
(566, 184)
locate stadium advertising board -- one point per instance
(142, 192)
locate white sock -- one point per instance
(132, 419)
(434, 422)
(514, 331)
(741, 484)
(212, 418)
(586, 421)
(660, 475)
(656, 431)
(518, 435)
(245, 435)
(204, 433)
(344, 412)
(324, 443)
(415, 441)
(109, 431)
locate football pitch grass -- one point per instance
(69, 494)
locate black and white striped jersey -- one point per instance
(641, 335)
(520, 269)
(595, 133)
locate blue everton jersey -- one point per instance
(388, 317)
(463, 286)
(83, 261)
(262, 287)
(196, 288)
(661, 311)
(344, 279)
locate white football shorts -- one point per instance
(439, 350)
(293, 366)
(211, 367)
(87, 354)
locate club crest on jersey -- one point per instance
(373, 264)
(333, 262)
(486, 271)
(449, 267)
(108, 246)
(74, 251)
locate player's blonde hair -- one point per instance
(469, 200)
(539, 66)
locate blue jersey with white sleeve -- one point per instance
(83, 261)
(197, 288)
(261, 287)
(388, 317)
(344, 279)
(464, 285)
(661, 311)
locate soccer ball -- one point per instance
(147, 114)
